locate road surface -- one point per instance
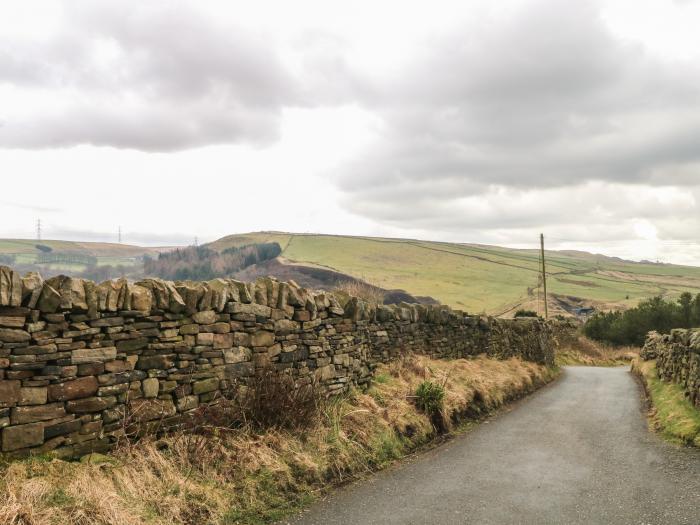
(577, 451)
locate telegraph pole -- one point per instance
(38, 229)
(120, 234)
(544, 277)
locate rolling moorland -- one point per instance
(475, 278)
(480, 278)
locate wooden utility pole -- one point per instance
(544, 277)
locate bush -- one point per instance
(362, 289)
(525, 313)
(430, 397)
(275, 400)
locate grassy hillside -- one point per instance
(480, 278)
(26, 252)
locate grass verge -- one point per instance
(586, 352)
(671, 413)
(254, 477)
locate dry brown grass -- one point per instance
(247, 476)
(584, 351)
(363, 290)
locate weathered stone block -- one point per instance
(9, 393)
(159, 362)
(49, 348)
(254, 309)
(91, 355)
(205, 339)
(150, 387)
(113, 390)
(131, 345)
(222, 341)
(90, 404)
(31, 414)
(205, 385)
(107, 321)
(49, 299)
(11, 322)
(237, 355)
(236, 370)
(217, 328)
(286, 326)
(31, 289)
(325, 373)
(61, 429)
(302, 315)
(241, 339)
(189, 329)
(263, 338)
(91, 369)
(120, 365)
(9, 335)
(208, 317)
(32, 395)
(141, 298)
(22, 436)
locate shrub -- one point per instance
(275, 400)
(430, 397)
(363, 290)
(525, 313)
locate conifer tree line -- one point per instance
(630, 327)
(200, 263)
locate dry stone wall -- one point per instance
(76, 356)
(677, 359)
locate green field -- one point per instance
(26, 252)
(480, 278)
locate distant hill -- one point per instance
(98, 260)
(480, 278)
(472, 277)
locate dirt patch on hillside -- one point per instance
(317, 278)
(587, 284)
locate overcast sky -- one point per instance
(467, 121)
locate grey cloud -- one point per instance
(176, 80)
(152, 128)
(546, 98)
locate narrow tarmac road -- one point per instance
(577, 451)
